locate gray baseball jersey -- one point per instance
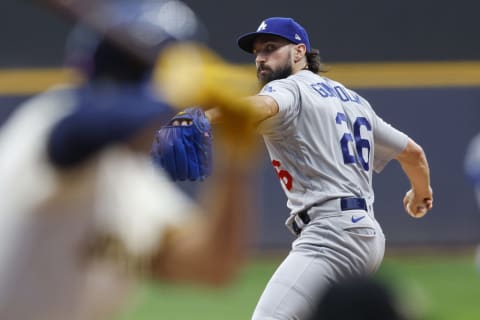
(324, 144)
(326, 140)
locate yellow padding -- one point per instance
(31, 81)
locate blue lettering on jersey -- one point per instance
(268, 89)
(359, 142)
(346, 139)
(323, 89)
(340, 92)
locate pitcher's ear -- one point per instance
(300, 52)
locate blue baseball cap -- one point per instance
(286, 28)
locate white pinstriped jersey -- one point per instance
(325, 140)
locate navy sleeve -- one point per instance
(88, 130)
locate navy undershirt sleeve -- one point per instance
(87, 130)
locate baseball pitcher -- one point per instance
(324, 141)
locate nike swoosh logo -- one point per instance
(356, 219)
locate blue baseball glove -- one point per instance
(183, 147)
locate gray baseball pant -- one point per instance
(330, 247)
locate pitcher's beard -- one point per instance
(271, 75)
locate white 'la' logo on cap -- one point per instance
(262, 26)
(298, 37)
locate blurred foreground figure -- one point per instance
(360, 298)
(83, 210)
(472, 164)
(472, 171)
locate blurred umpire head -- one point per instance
(119, 40)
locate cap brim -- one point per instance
(245, 42)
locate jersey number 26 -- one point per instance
(360, 144)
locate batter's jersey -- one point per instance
(326, 140)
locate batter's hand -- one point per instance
(417, 205)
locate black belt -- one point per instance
(345, 205)
(353, 204)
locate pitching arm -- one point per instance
(419, 199)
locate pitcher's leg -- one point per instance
(327, 251)
(294, 288)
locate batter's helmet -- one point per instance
(122, 38)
